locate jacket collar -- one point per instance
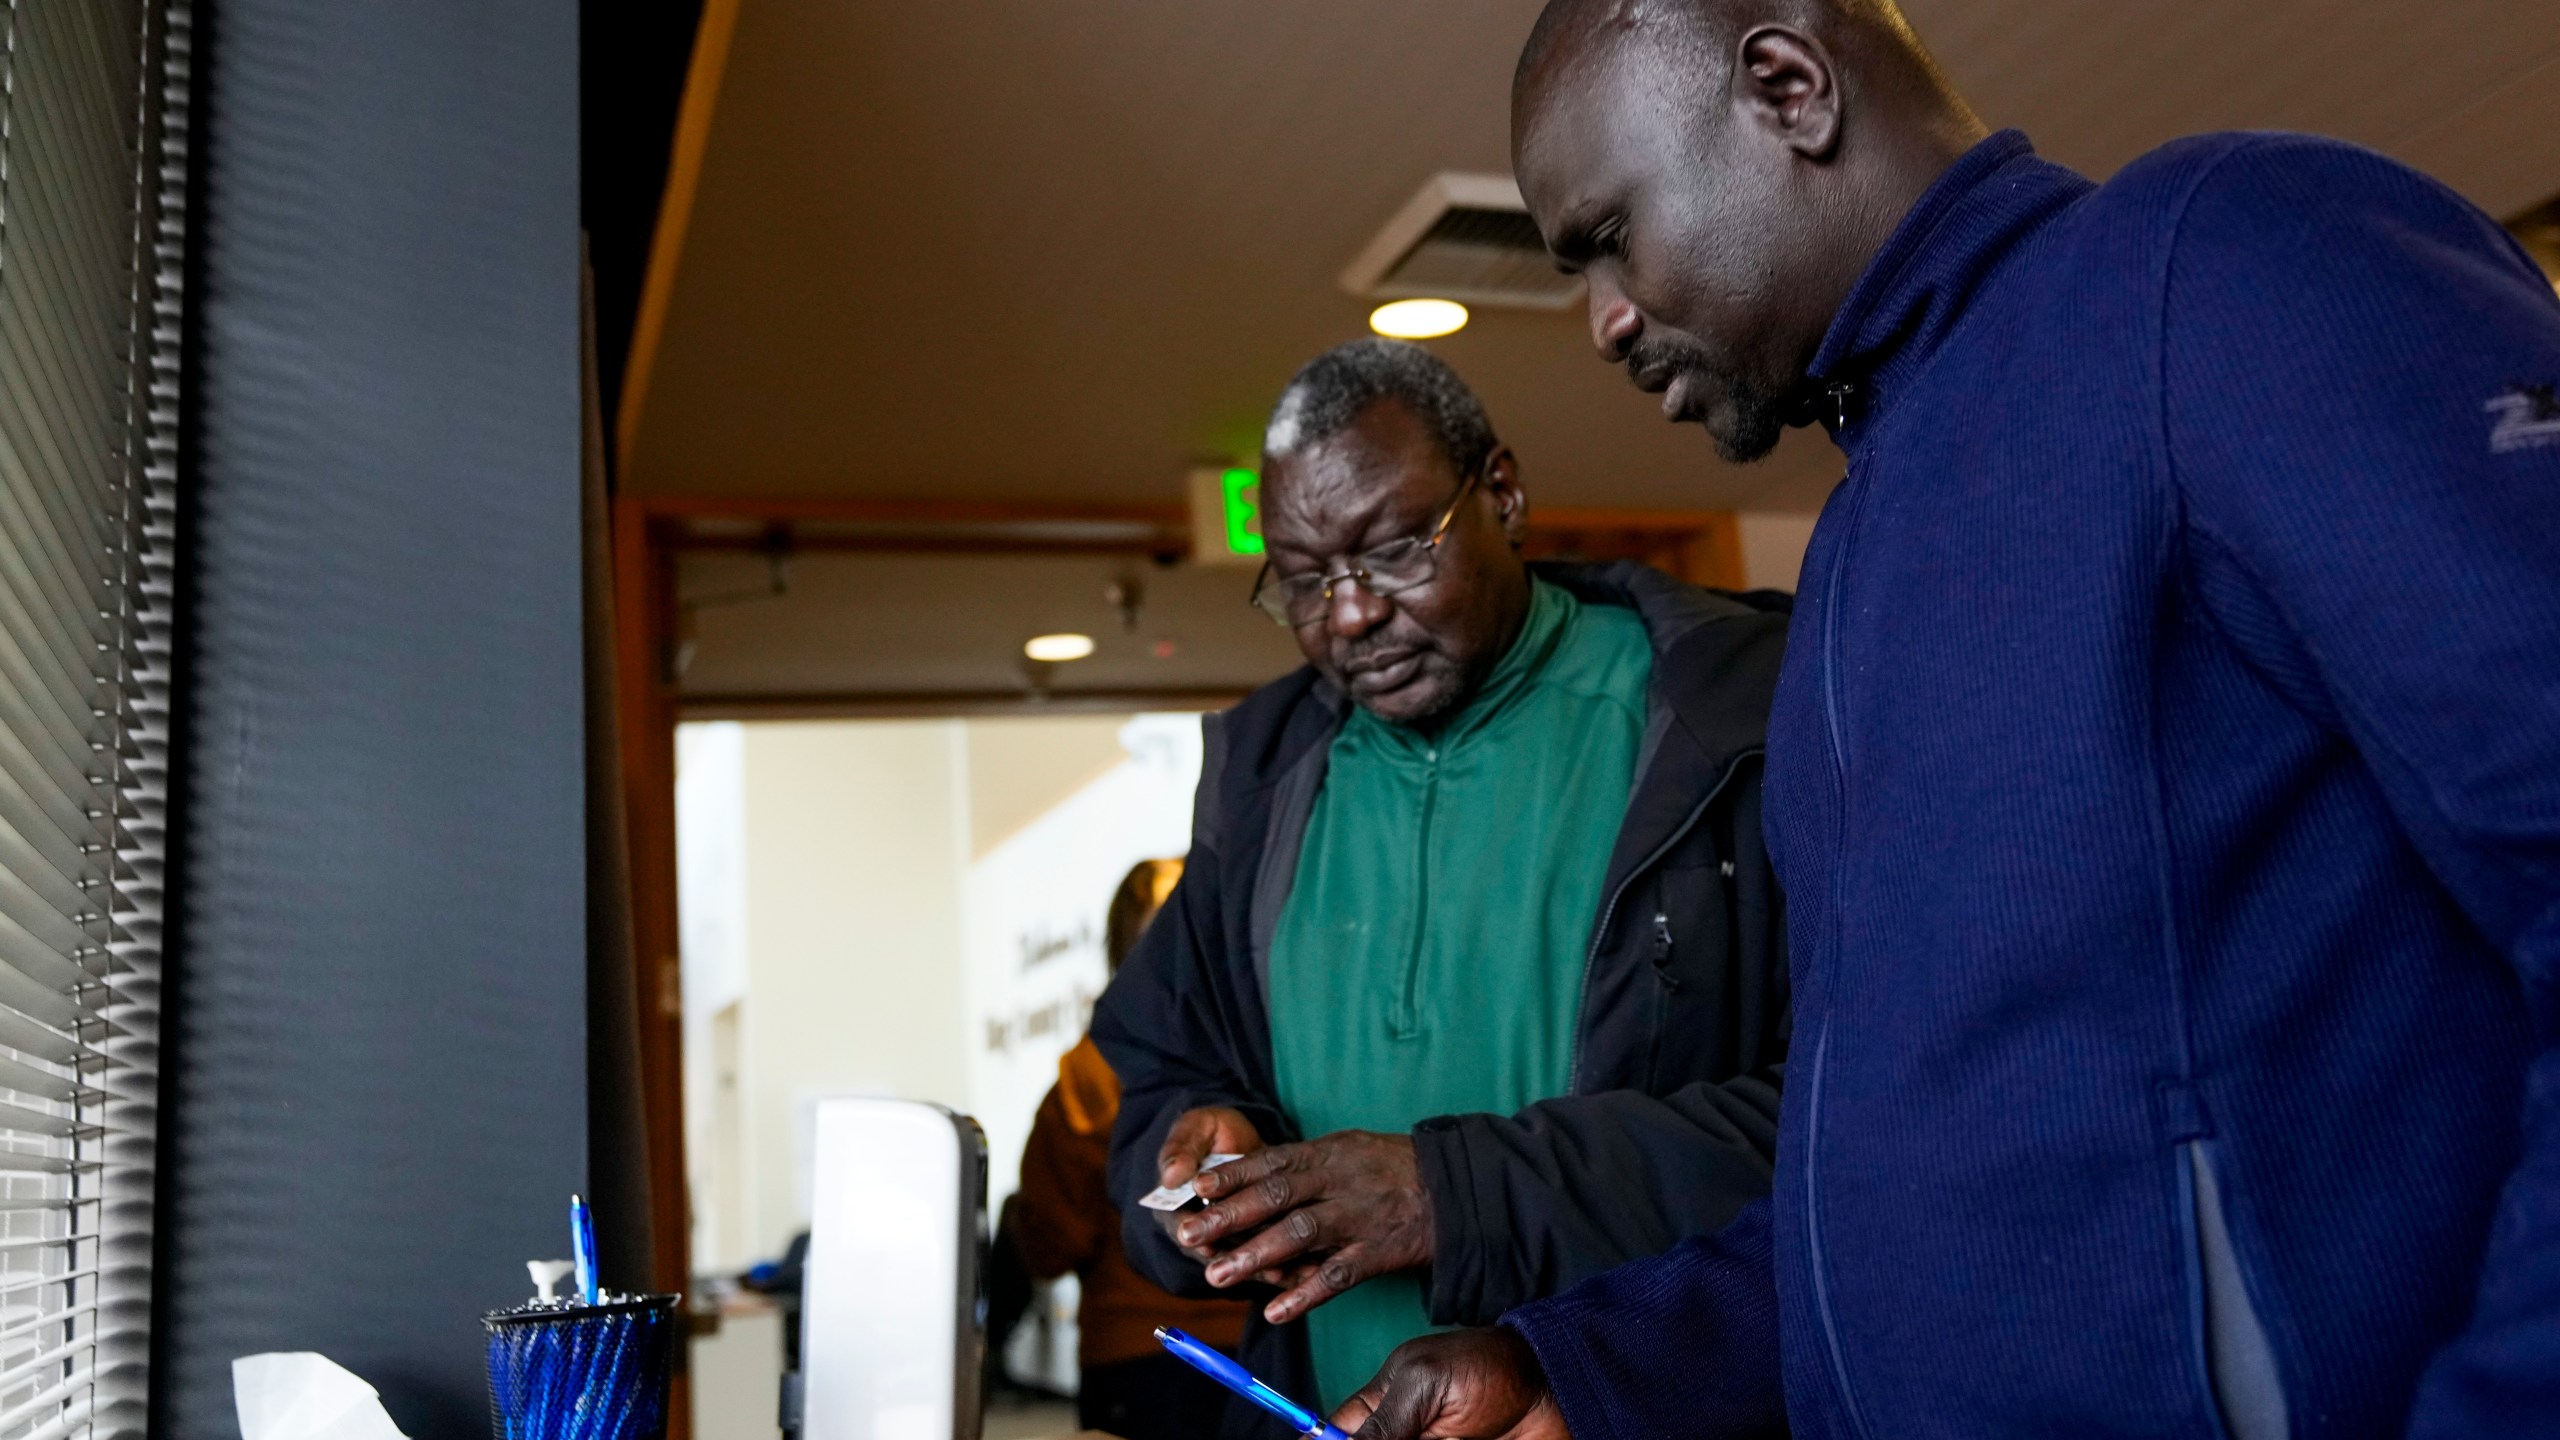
(1716, 694)
(1715, 669)
(1916, 290)
(1669, 608)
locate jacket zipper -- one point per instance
(1831, 645)
(1839, 747)
(1609, 912)
(1665, 985)
(1402, 1021)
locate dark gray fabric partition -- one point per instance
(375, 1103)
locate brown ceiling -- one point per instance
(1017, 249)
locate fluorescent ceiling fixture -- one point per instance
(1418, 319)
(1055, 648)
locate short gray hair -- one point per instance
(1325, 397)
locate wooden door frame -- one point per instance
(643, 604)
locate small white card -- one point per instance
(1183, 1197)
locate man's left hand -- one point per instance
(1319, 1217)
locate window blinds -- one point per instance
(92, 180)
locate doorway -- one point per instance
(907, 908)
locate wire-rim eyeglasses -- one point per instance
(1391, 569)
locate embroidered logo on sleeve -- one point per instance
(2528, 417)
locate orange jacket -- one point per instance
(1063, 1220)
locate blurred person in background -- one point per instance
(1062, 1220)
(1477, 960)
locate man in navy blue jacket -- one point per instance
(2164, 774)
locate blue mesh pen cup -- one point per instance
(564, 1371)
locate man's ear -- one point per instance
(1510, 501)
(1784, 84)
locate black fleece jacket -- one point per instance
(1670, 1123)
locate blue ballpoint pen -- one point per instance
(1235, 1377)
(582, 1247)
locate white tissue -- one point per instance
(302, 1395)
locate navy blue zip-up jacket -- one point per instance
(2165, 780)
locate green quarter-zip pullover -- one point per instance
(1430, 958)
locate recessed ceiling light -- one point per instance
(1056, 648)
(1418, 319)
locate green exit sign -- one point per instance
(1226, 516)
(1241, 492)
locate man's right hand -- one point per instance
(1195, 1136)
(1459, 1385)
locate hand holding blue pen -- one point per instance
(1235, 1377)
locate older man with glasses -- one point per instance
(1478, 962)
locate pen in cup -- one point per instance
(582, 1247)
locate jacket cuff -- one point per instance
(1465, 1219)
(1549, 1326)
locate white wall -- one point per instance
(711, 902)
(854, 847)
(1033, 930)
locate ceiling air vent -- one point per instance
(1462, 237)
